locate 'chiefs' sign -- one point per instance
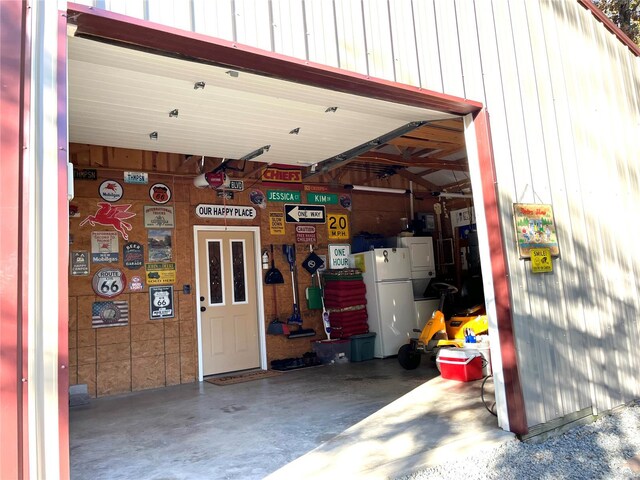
(282, 175)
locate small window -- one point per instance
(216, 293)
(238, 271)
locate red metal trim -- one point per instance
(612, 27)
(63, 251)
(166, 40)
(14, 105)
(515, 399)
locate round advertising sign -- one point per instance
(160, 193)
(109, 282)
(110, 190)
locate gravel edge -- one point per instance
(600, 450)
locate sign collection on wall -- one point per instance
(158, 272)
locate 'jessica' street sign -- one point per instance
(304, 213)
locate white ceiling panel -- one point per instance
(118, 96)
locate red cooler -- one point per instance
(459, 364)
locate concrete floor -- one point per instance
(370, 419)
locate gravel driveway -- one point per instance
(606, 449)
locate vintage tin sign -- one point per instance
(156, 216)
(161, 302)
(79, 263)
(110, 190)
(226, 194)
(111, 216)
(160, 273)
(276, 223)
(159, 242)
(104, 247)
(136, 284)
(535, 228)
(109, 282)
(160, 193)
(138, 178)
(85, 174)
(110, 314)
(133, 255)
(306, 234)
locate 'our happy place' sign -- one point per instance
(238, 212)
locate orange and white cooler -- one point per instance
(460, 364)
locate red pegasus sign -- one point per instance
(113, 215)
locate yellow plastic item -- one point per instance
(457, 325)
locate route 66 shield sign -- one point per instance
(109, 282)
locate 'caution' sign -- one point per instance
(541, 260)
(338, 226)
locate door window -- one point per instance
(238, 269)
(216, 285)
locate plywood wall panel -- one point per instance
(110, 335)
(148, 372)
(187, 367)
(172, 368)
(87, 376)
(113, 377)
(113, 352)
(86, 338)
(147, 348)
(172, 345)
(151, 330)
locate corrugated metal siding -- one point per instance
(561, 92)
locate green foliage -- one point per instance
(625, 14)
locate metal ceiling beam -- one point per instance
(342, 159)
(388, 158)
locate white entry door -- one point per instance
(228, 301)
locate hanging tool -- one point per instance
(290, 253)
(295, 318)
(273, 275)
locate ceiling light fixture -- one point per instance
(331, 110)
(173, 113)
(153, 135)
(367, 188)
(232, 73)
(451, 195)
(295, 131)
(198, 85)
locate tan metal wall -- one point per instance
(561, 92)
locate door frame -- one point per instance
(262, 341)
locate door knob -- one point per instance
(202, 299)
(202, 309)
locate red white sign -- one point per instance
(306, 234)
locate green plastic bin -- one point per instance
(362, 346)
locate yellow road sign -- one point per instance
(338, 226)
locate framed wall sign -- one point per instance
(161, 302)
(535, 228)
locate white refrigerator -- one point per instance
(391, 314)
